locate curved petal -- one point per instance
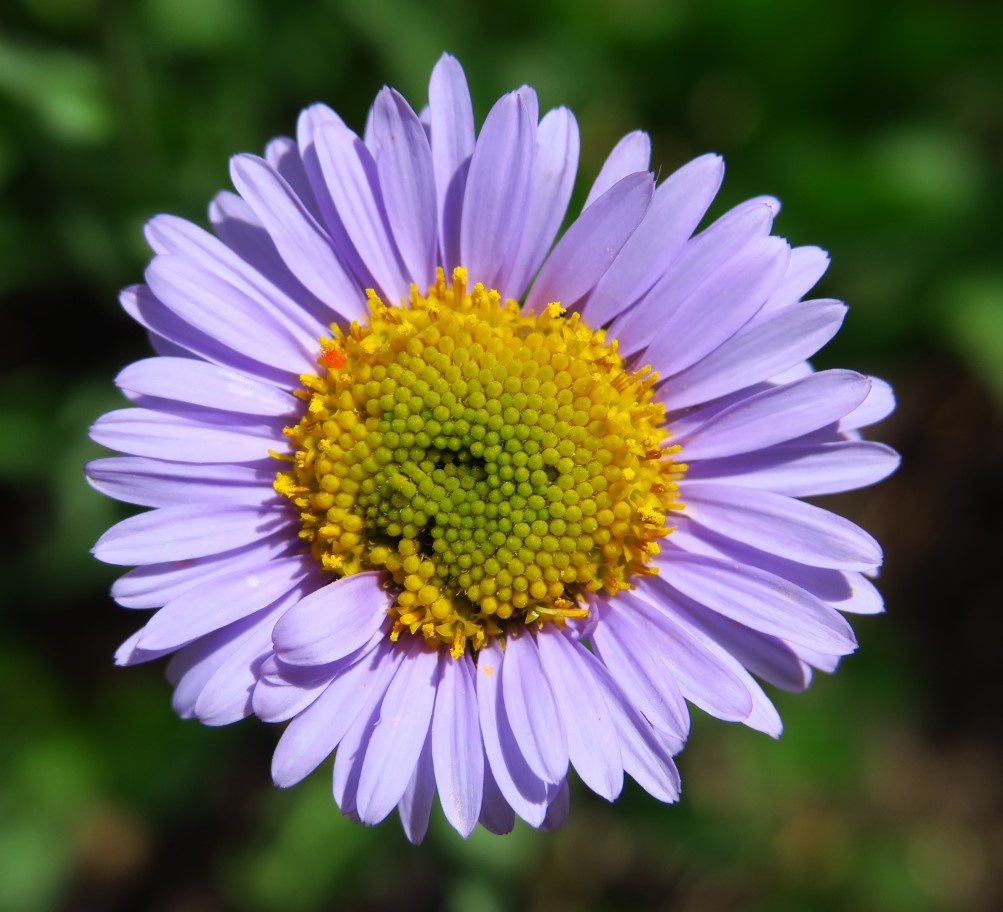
(205, 384)
(640, 671)
(802, 470)
(676, 208)
(226, 314)
(154, 483)
(879, 404)
(757, 352)
(755, 598)
(451, 117)
(806, 267)
(162, 323)
(400, 734)
(525, 792)
(173, 236)
(691, 328)
(707, 675)
(497, 188)
(457, 753)
(350, 175)
(592, 742)
(631, 154)
(304, 245)
(180, 533)
(416, 803)
(222, 600)
(404, 164)
(315, 732)
(161, 435)
(777, 415)
(153, 585)
(333, 621)
(780, 524)
(591, 244)
(698, 261)
(531, 710)
(554, 167)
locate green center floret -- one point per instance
(498, 466)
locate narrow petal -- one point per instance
(715, 671)
(647, 756)
(350, 174)
(496, 815)
(803, 471)
(676, 209)
(310, 122)
(160, 435)
(143, 306)
(592, 741)
(333, 621)
(554, 167)
(153, 483)
(209, 385)
(806, 267)
(837, 587)
(629, 155)
(241, 230)
(758, 351)
(394, 748)
(218, 670)
(168, 234)
(640, 671)
(755, 598)
(524, 791)
(787, 527)
(591, 244)
(879, 404)
(404, 164)
(691, 328)
(154, 585)
(311, 737)
(767, 656)
(416, 803)
(221, 601)
(706, 674)
(179, 533)
(223, 312)
(281, 694)
(777, 415)
(560, 808)
(532, 711)
(497, 188)
(451, 116)
(304, 245)
(282, 153)
(457, 753)
(697, 262)
(225, 697)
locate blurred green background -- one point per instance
(879, 125)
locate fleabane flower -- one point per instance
(466, 507)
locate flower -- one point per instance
(464, 544)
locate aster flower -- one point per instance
(465, 543)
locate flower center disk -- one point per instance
(498, 466)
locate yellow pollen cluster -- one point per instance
(499, 466)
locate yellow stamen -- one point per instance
(498, 466)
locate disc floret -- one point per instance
(499, 466)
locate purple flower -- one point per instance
(465, 544)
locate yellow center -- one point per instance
(498, 466)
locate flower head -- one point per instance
(465, 543)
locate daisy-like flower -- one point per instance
(461, 542)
